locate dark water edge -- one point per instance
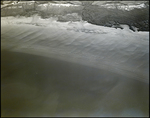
(39, 86)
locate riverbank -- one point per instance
(135, 14)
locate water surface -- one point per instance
(39, 86)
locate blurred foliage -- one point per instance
(26, 8)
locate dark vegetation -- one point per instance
(108, 17)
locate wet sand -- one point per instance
(39, 86)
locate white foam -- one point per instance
(120, 6)
(52, 4)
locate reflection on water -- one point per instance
(40, 86)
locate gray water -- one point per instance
(40, 86)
